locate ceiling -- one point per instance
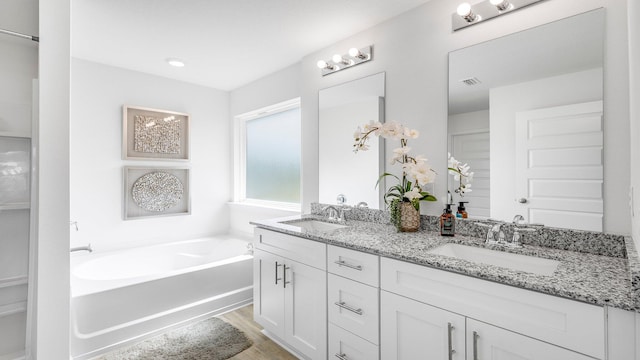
(225, 44)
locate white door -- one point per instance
(559, 166)
(413, 330)
(487, 342)
(306, 309)
(473, 149)
(268, 292)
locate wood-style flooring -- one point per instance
(263, 348)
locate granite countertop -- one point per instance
(594, 279)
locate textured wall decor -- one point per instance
(152, 192)
(154, 134)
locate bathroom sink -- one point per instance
(526, 263)
(314, 225)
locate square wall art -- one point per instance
(153, 134)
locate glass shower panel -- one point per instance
(15, 188)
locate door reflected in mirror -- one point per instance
(525, 112)
(342, 109)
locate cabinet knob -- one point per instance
(522, 200)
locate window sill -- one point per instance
(272, 205)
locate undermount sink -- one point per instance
(526, 263)
(314, 225)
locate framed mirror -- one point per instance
(342, 108)
(525, 112)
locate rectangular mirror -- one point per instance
(525, 112)
(342, 108)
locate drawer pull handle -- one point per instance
(346, 264)
(449, 331)
(342, 356)
(475, 345)
(284, 272)
(277, 278)
(343, 305)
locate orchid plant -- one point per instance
(461, 174)
(416, 172)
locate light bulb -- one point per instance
(464, 9)
(337, 58)
(354, 52)
(500, 4)
(321, 64)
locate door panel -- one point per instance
(413, 330)
(559, 166)
(268, 297)
(306, 309)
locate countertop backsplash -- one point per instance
(563, 239)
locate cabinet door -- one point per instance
(268, 292)
(306, 309)
(413, 330)
(487, 342)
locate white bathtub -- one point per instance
(125, 296)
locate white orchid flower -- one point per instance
(411, 133)
(413, 194)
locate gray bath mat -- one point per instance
(211, 339)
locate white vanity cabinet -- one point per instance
(508, 322)
(354, 304)
(289, 293)
(413, 330)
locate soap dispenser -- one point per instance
(462, 212)
(447, 222)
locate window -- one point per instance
(268, 156)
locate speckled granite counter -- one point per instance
(594, 279)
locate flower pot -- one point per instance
(409, 218)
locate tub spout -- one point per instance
(82, 248)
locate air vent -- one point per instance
(471, 81)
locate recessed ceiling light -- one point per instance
(175, 62)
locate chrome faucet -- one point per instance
(495, 235)
(82, 248)
(518, 219)
(362, 205)
(336, 214)
(332, 212)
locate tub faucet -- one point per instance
(82, 248)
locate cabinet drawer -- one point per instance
(344, 345)
(309, 252)
(353, 264)
(571, 324)
(354, 306)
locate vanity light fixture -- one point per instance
(338, 62)
(467, 15)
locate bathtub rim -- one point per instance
(83, 287)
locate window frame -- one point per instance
(240, 156)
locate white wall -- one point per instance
(505, 101)
(98, 94)
(52, 332)
(634, 116)
(468, 122)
